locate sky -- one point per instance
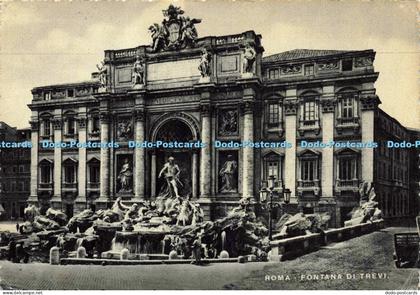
(50, 42)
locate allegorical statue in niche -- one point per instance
(249, 58)
(189, 32)
(228, 173)
(171, 173)
(103, 74)
(138, 72)
(229, 123)
(204, 66)
(125, 177)
(159, 34)
(124, 129)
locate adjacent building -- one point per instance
(219, 91)
(14, 171)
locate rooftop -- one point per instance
(302, 53)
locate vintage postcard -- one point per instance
(209, 145)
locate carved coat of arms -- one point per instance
(175, 32)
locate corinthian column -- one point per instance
(104, 168)
(205, 161)
(139, 157)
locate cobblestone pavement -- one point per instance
(367, 254)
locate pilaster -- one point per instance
(104, 166)
(369, 103)
(248, 136)
(290, 111)
(81, 179)
(33, 198)
(139, 155)
(327, 172)
(57, 125)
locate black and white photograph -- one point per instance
(209, 145)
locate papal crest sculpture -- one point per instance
(175, 32)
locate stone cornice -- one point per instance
(290, 107)
(370, 102)
(328, 105)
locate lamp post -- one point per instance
(269, 191)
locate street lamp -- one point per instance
(269, 192)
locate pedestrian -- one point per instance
(196, 248)
(17, 226)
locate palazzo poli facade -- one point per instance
(188, 89)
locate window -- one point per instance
(94, 173)
(309, 70)
(347, 168)
(272, 166)
(70, 93)
(70, 126)
(273, 74)
(309, 169)
(95, 124)
(273, 169)
(46, 127)
(347, 108)
(347, 65)
(273, 114)
(46, 174)
(69, 173)
(309, 111)
(47, 95)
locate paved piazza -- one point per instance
(367, 256)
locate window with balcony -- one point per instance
(309, 113)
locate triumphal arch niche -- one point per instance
(183, 89)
